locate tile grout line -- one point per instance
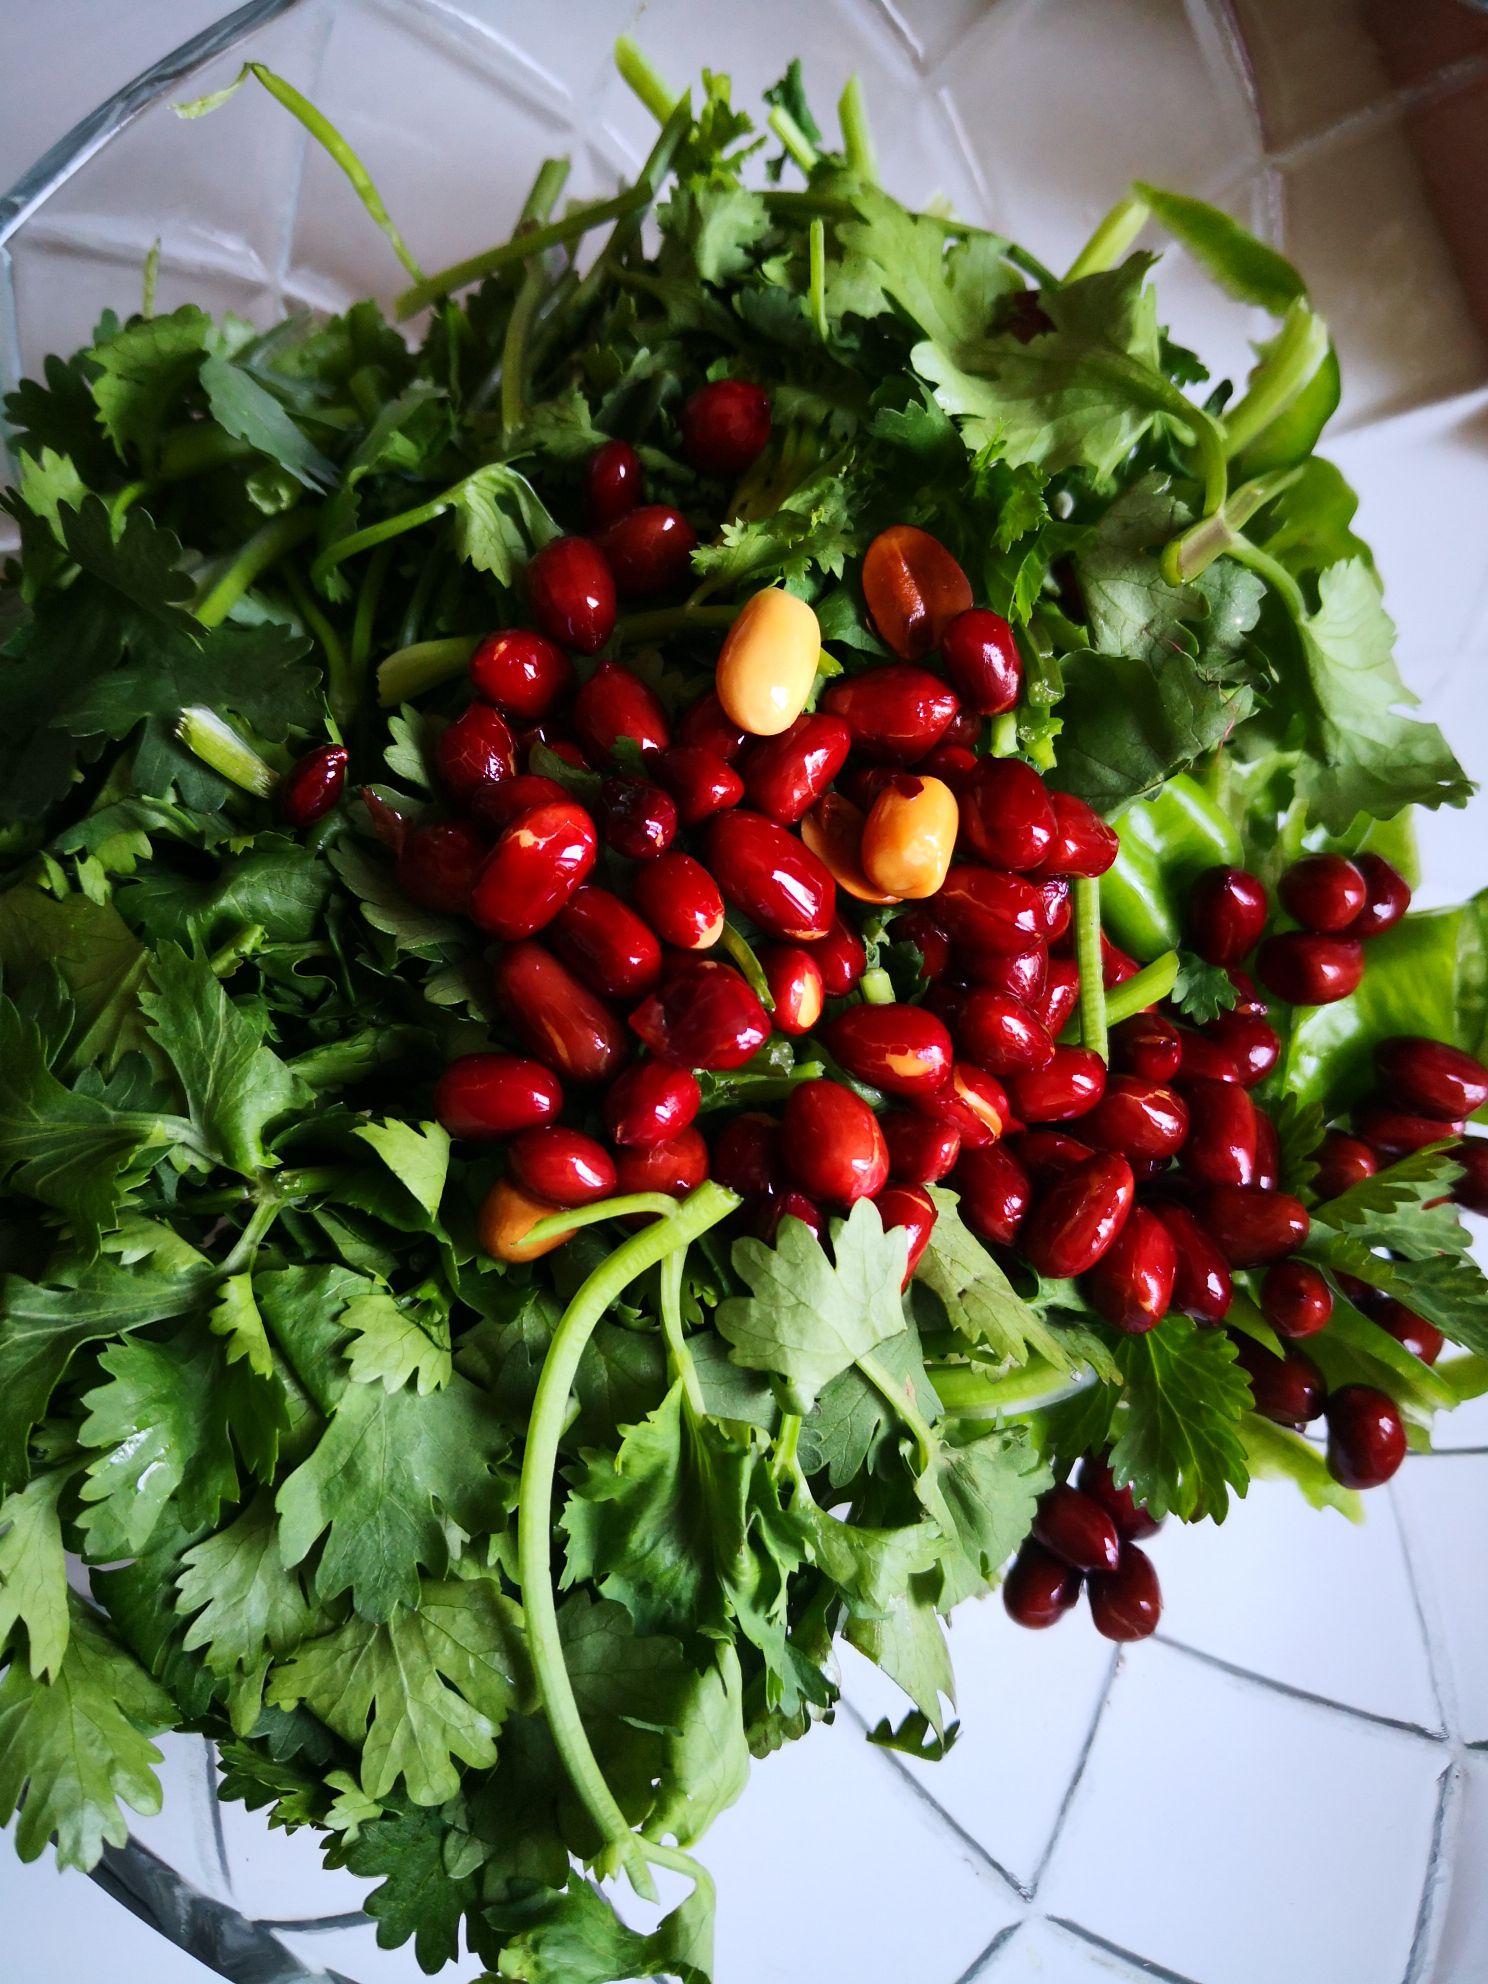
(214, 1805)
(1078, 1773)
(10, 354)
(948, 1819)
(1302, 1694)
(978, 1965)
(1442, 1684)
(1142, 1964)
(1438, 1875)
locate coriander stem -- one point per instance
(676, 1338)
(816, 238)
(341, 690)
(1088, 957)
(591, 1215)
(216, 743)
(460, 275)
(894, 1392)
(795, 140)
(1004, 742)
(366, 614)
(262, 550)
(787, 1440)
(1111, 239)
(742, 952)
(1186, 556)
(1135, 994)
(857, 138)
(967, 1393)
(633, 627)
(244, 1252)
(877, 987)
(368, 538)
(637, 70)
(539, 204)
(701, 1210)
(1272, 571)
(412, 670)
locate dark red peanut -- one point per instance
(1055, 1006)
(651, 1103)
(640, 820)
(1040, 1588)
(476, 750)
(1083, 844)
(1396, 1132)
(1079, 1217)
(1126, 1604)
(1288, 1389)
(1139, 1118)
(922, 1151)
(832, 1144)
(1309, 970)
(1132, 1283)
(680, 900)
(841, 957)
(533, 869)
(615, 704)
(1343, 1161)
(1295, 1299)
(1471, 1189)
(1001, 1035)
(982, 661)
(701, 783)
(1227, 911)
(989, 911)
(725, 426)
(1023, 974)
(914, 590)
(795, 981)
(1202, 1284)
(438, 865)
(1048, 1154)
(746, 1156)
(1133, 1523)
(1366, 1436)
(1069, 1085)
(1077, 1529)
(559, 1020)
(649, 550)
(572, 593)
(676, 1167)
(1007, 817)
(785, 775)
(972, 1103)
(607, 945)
(494, 807)
(995, 1192)
(1147, 1045)
(562, 1166)
(1323, 892)
(614, 482)
(1387, 897)
(704, 1016)
(1430, 1078)
(913, 1209)
(901, 1049)
(1252, 1043)
(709, 726)
(1222, 1133)
(895, 713)
(1422, 1339)
(312, 785)
(523, 673)
(486, 1096)
(1252, 1227)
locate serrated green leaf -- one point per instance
(980, 1302)
(1178, 1442)
(395, 1341)
(243, 407)
(33, 1573)
(144, 373)
(416, 1154)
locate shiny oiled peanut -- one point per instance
(640, 820)
(899, 1048)
(477, 749)
(1309, 970)
(1132, 1283)
(768, 662)
(909, 837)
(1040, 1588)
(651, 1103)
(1431, 1078)
(986, 910)
(1202, 1284)
(649, 550)
(538, 863)
(614, 481)
(981, 658)
(1396, 1132)
(1366, 1436)
(701, 782)
(704, 1016)
(1071, 1083)
(681, 901)
(494, 807)
(922, 1151)
(1252, 1227)
(1412, 1331)
(311, 787)
(833, 830)
(606, 944)
(1342, 1163)
(1006, 814)
(832, 1144)
(746, 1156)
(795, 981)
(562, 1166)
(1000, 1034)
(488, 1096)
(1222, 1133)
(1083, 844)
(558, 1019)
(1075, 1527)
(1288, 1389)
(1324, 892)
(1147, 1045)
(1295, 1299)
(913, 588)
(615, 705)
(1055, 1006)
(507, 1215)
(1227, 911)
(1047, 1154)
(675, 1167)
(770, 875)
(995, 1191)
(1126, 1604)
(895, 713)
(709, 726)
(841, 958)
(572, 594)
(1079, 1217)
(971, 1102)
(911, 1208)
(1139, 1118)
(785, 775)
(438, 864)
(523, 673)
(1471, 1189)
(1387, 897)
(1131, 1517)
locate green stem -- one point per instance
(787, 1440)
(627, 228)
(817, 284)
(894, 1393)
(1088, 957)
(641, 75)
(262, 550)
(187, 451)
(341, 687)
(676, 1337)
(1186, 556)
(742, 952)
(1135, 994)
(619, 1207)
(795, 140)
(242, 944)
(217, 744)
(475, 268)
(366, 616)
(539, 205)
(857, 138)
(633, 627)
(1004, 735)
(703, 1209)
(1111, 239)
(1273, 572)
(249, 1240)
(426, 664)
(967, 1393)
(877, 988)
(1299, 348)
(372, 535)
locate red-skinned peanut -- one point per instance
(982, 661)
(476, 750)
(1387, 897)
(1077, 1529)
(1133, 1523)
(971, 1102)
(901, 1049)
(1288, 1389)
(701, 783)
(767, 873)
(832, 1144)
(533, 869)
(675, 1167)
(795, 981)
(914, 589)
(913, 1209)
(1222, 1133)
(1397, 1132)
(1252, 1043)
(709, 726)
(1205, 1061)
(1126, 1604)
(614, 704)
(1079, 1217)
(1083, 844)
(649, 550)
(438, 864)
(1137, 1117)
(1132, 1283)
(786, 774)
(704, 1016)
(1147, 1045)
(1055, 1006)
(1048, 1154)
(1007, 816)
(1001, 1035)
(1366, 1436)
(1413, 1332)
(919, 927)
(614, 482)
(986, 910)
(995, 1190)
(1227, 912)
(841, 957)
(558, 1019)
(312, 785)
(1323, 892)
(1202, 1284)
(1252, 1227)
(572, 593)
(523, 673)
(1471, 1189)
(494, 807)
(1070, 1084)
(922, 1151)
(1039, 1588)
(607, 945)
(1295, 1299)
(1054, 894)
(746, 1156)
(562, 1166)
(651, 1103)
(1343, 1161)
(1430, 1078)
(1309, 970)
(483, 1097)
(896, 713)
(725, 426)
(640, 820)
(1023, 974)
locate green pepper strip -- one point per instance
(1166, 841)
(676, 1229)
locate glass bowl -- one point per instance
(1290, 1782)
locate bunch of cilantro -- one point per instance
(307, 1441)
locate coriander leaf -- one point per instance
(979, 1300)
(989, 1487)
(1449, 1290)
(1133, 610)
(249, 1608)
(419, 1897)
(142, 562)
(707, 1761)
(275, 882)
(633, 1693)
(579, 1939)
(234, 1085)
(41, 1326)
(422, 1690)
(72, 1749)
(101, 961)
(872, 1568)
(1405, 1208)
(61, 415)
(418, 1156)
(1360, 754)
(386, 907)
(33, 1573)
(622, 1374)
(659, 1525)
(717, 228)
(908, 1643)
(914, 1737)
(499, 518)
(1127, 727)
(71, 1150)
(144, 372)
(806, 1320)
(1183, 1395)
(947, 291)
(249, 411)
(48, 481)
(162, 1423)
(398, 1340)
(235, 1317)
(1273, 1453)
(387, 1476)
(851, 1421)
(812, 527)
(1201, 992)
